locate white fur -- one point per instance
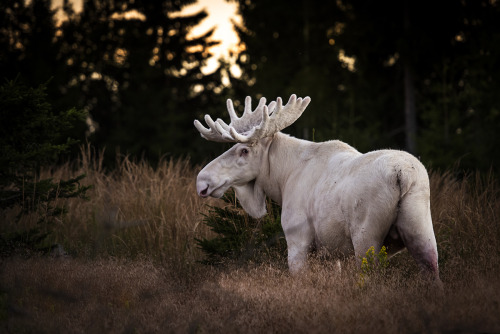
(332, 196)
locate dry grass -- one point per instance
(133, 269)
(134, 210)
(109, 296)
(466, 216)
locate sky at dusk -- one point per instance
(221, 15)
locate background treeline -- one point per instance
(417, 75)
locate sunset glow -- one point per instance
(221, 15)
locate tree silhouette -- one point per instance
(424, 77)
(138, 76)
(33, 136)
(27, 41)
(290, 47)
(142, 77)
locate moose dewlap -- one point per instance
(331, 195)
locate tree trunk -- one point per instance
(410, 110)
(409, 86)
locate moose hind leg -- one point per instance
(393, 242)
(414, 225)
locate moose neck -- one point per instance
(282, 155)
(285, 154)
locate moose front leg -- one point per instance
(299, 238)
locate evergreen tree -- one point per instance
(141, 77)
(459, 94)
(396, 43)
(424, 72)
(291, 47)
(27, 42)
(33, 136)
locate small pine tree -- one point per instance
(240, 237)
(32, 136)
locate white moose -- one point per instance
(331, 195)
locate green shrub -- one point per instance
(241, 237)
(33, 136)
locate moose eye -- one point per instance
(244, 152)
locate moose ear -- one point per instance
(252, 198)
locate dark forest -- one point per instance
(421, 76)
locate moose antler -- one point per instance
(264, 121)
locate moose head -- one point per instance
(240, 166)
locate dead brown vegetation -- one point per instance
(115, 296)
(132, 267)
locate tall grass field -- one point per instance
(127, 261)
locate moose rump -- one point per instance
(384, 198)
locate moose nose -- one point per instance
(204, 192)
(202, 187)
(204, 183)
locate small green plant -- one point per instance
(372, 263)
(240, 237)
